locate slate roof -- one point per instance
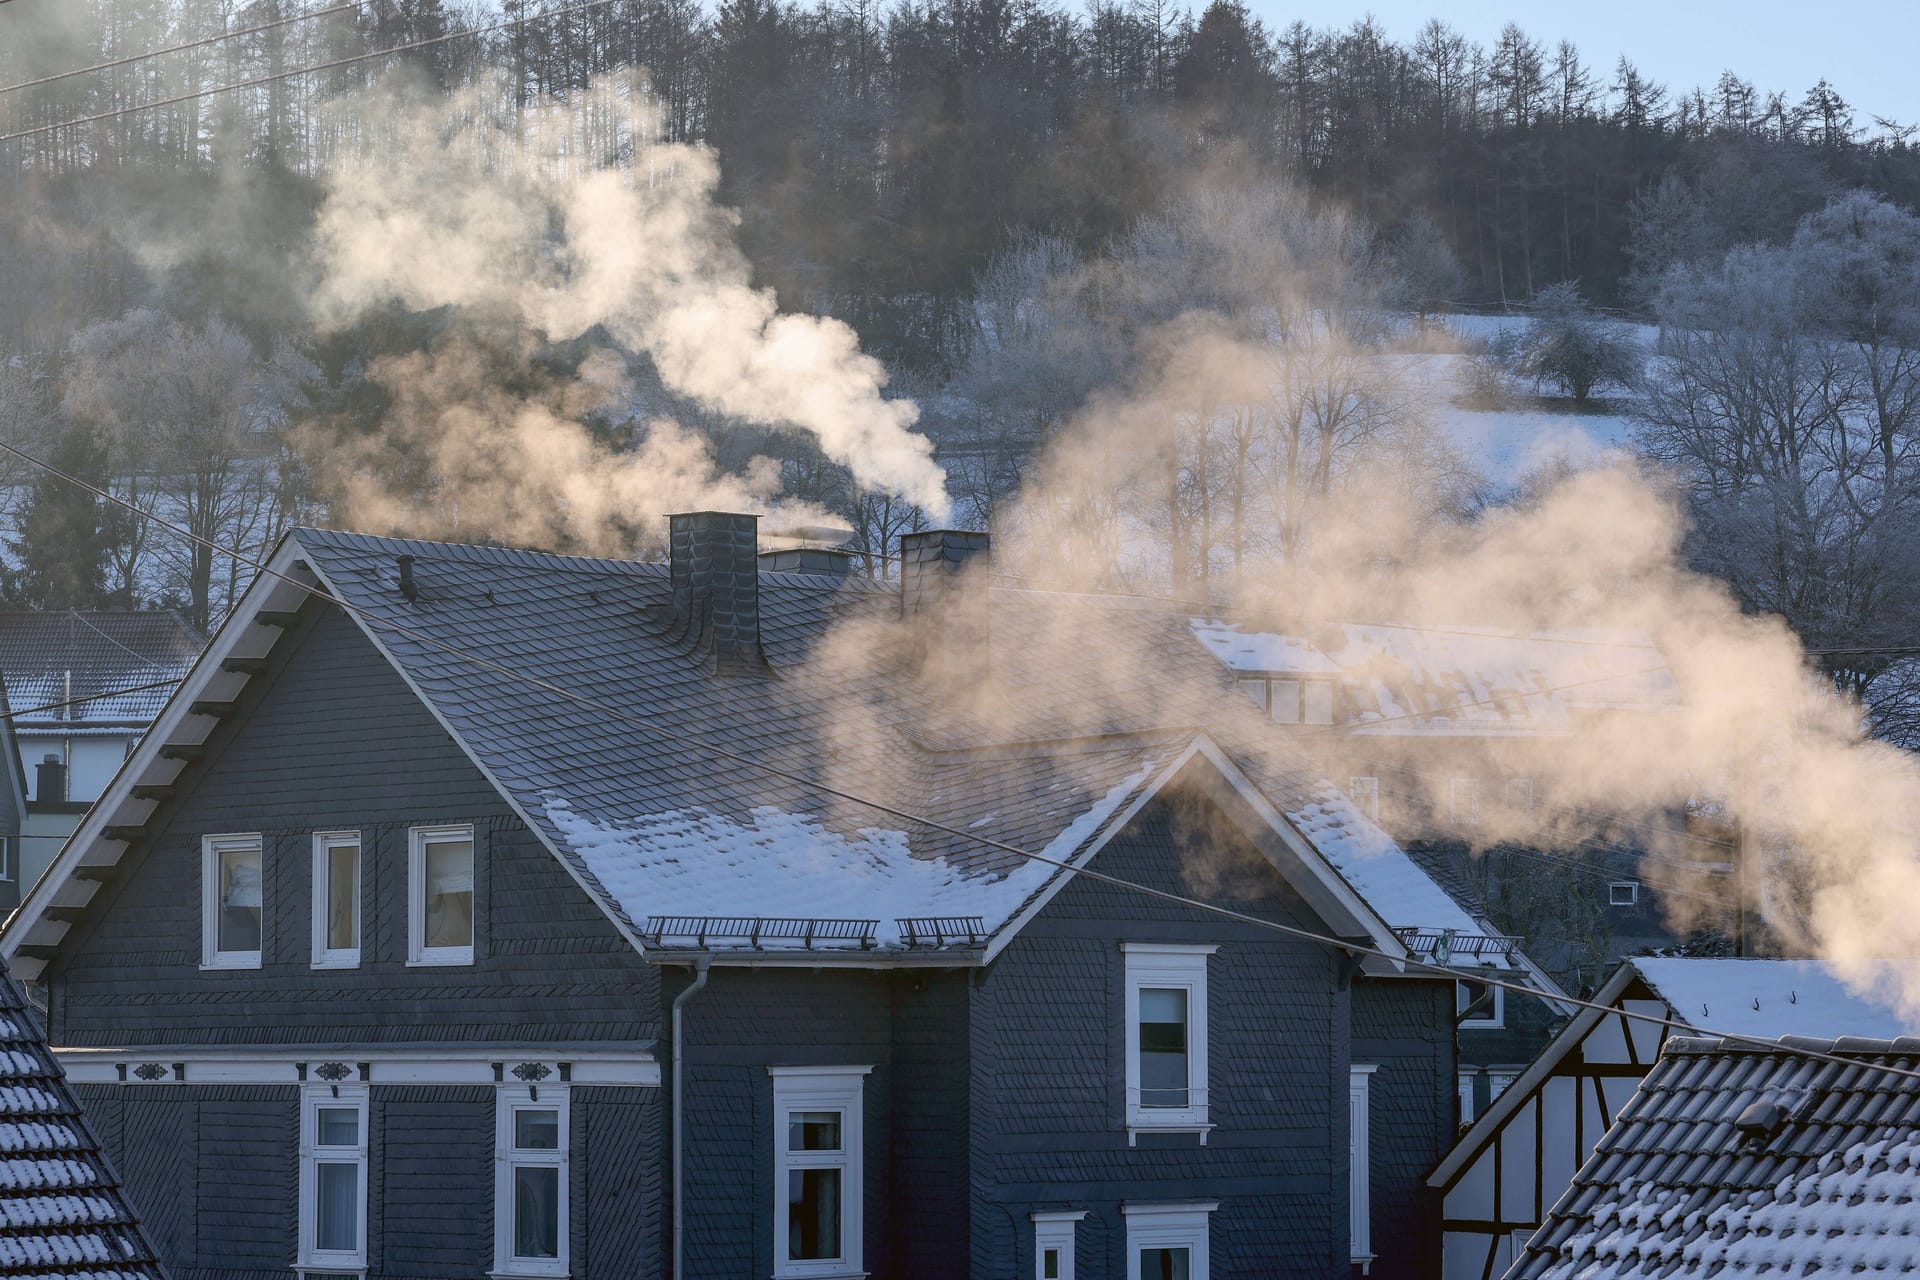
(61, 1210)
(1826, 1183)
(48, 658)
(647, 796)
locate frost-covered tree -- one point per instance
(1569, 347)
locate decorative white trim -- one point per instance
(211, 847)
(324, 842)
(312, 1099)
(1055, 1232)
(375, 1065)
(1169, 1225)
(1168, 966)
(533, 1096)
(418, 838)
(1360, 1163)
(839, 1089)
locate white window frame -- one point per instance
(1496, 1018)
(9, 858)
(1632, 898)
(1364, 791)
(1283, 701)
(211, 847)
(534, 1097)
(1465, 814)
(1170, 1226)
(1056, 1231)
(1168, 965)
(313, 1098)
(1466, 1096)
(1255, 687)
(418, 838)
(1316, 702)
(1360, 1164)
(324, 842)
(839, 1089)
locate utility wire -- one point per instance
(103, 695)
(678, 738)
(181, 48)
(302, 71)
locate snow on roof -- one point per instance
(681, 862)
(1770, 998)
(49, 660)
(1266, 652)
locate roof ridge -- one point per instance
(1847, 1046)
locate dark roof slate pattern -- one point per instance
(62, 1213)
(1675, 1188)
(53, 657)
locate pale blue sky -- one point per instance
(1869, 49)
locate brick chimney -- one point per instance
(50, 780)
(716, 586)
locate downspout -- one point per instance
(700, 967)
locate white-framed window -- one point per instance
(818, 1188)
(231, 902)
(1520, 796)
(9, 858)
(530, 1183)
(1283, 701)
(1497, 1082)
(440, 895)
(333, 1178)
(1466, 1096)
(1166, 1075)
(1167, 1241)
(1463, 801)
(1360, 1164)
(1316, 702)
(1365, 793)
(1623, 893)
(1255, 687)
(1487, 1001)
(336, 899)
(1053, 1236)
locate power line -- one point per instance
(812, 784)
(102, 696)
(302, 71)
(181, 48)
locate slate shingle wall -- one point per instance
(1402, 1028)
(1049, 1071)
(338, 742)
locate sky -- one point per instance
(1866, 48)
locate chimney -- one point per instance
(50, 780)
(827, 562)
(931, 565)
(716, 586)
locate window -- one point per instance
(1283, 701)
(1366, 796)
(1520, 796)
(817, 1179)
(1256, 689)
(1317, 702)
(333, 1178)
(1167, 1241)
(1166, 1037)
(231, 916)
(1497, 1082)
(336, 899)
(530, 1187)
(1053, 1235)
(1464, 802)
(1623, 893)
(1360, 1165)
(1480, 1004)
(440, 896)
(1466, 1096)
(9, 858)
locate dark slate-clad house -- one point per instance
(62, 1213)
(1735, 1160)
(476, 912)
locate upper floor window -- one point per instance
(333, 1178)
(1053, 1239)
(1480, 1004)
(231, 900)
(9, 858)
(440, 896)
(530, 1190)
(336, 899)
(1360, 1164)
(1168, 1241)
(1166, 1036)
(818, 1188)
(1623, 893)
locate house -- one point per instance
(1736, 1160)
(85, 685)
(1521, 1152)
(478, 911)
(62, 1212)
(13, 808)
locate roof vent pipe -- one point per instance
(716, 585)
(408, 587)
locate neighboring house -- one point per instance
(1734, 1160)
(1521, 1153)
(521, 910)
(68, 674)
(13, 809)
(62, 1213)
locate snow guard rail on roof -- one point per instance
(810, 933)
(1444, 944)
